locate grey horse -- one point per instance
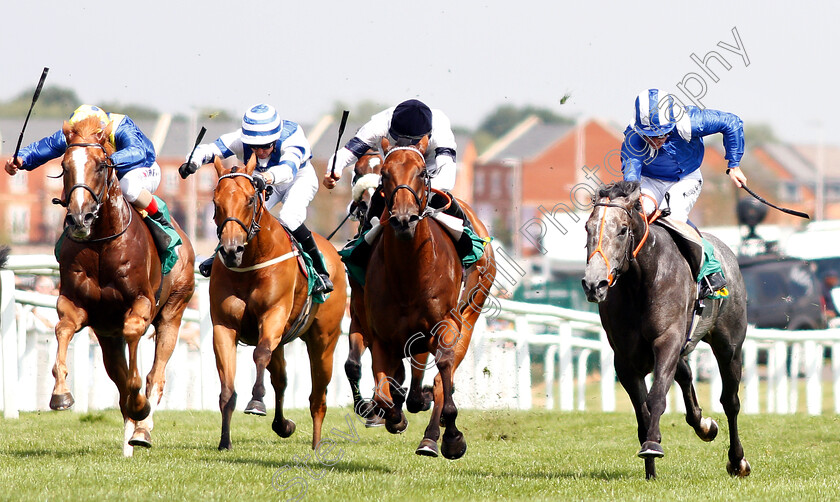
(646, 294)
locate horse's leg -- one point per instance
(166, 336)
(384, 366)
(705, 428)
(113, 358)
(419, 398)
(71, 319)
(320, 344)
(135, 325)
(666, 353)
(728, 356)
(353, 369)
(453, 445)
(270, 332)
(634, 385)
(282, 426)
(224, 346)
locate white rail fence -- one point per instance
(526, 356)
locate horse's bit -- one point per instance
(426, 182)
(98, 198)
(254, 227)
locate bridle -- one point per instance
(628, 256)
(389, 200)
(99, 198)
(252, 229)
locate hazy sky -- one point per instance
(463, 57)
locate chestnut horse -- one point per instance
(411, 301)
(111, 280)
(646, 294)
(257, 294)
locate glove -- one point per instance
(259, 183)
(186, 169)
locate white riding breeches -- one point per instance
(134, 181)
(295, 196)
(682, 194)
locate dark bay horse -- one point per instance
(257, 294)
(411, 301)
(646, 293)
(111, 280)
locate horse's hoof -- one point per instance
(141, 437)
(255, 407)
(427, 448)
(708, 429)
(283, 428)
(742, 471)
(455, 448)
(651, 449)
(374, 421)
(60, 402)
(398, 427)
(225, 445)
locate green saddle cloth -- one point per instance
(358, 271)
(170, 256)
(710, 265)
(311, 276)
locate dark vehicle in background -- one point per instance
(783, 293)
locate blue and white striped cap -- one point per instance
(654, 117)
(261, 125)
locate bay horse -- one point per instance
(257, 294)
(411, 301)
(646, 294)
(111, 280)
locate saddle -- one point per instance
(688, 241)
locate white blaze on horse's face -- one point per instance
(79, 159)
(608, 231)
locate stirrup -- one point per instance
(205, 267)
(322, 285)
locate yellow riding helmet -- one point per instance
(86, 111)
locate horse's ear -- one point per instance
(251, 165)
(217, 163)
(385, 144)
(67, 129)
(423, 144)
(106, 134)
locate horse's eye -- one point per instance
(623, 231)
(251, 200)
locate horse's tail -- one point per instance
(4, 255)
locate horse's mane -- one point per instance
(618, 189)
(86, 127)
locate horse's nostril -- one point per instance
(69, 221)
(602, 284)
(88, 219)
(239, 249)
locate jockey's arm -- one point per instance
(40, 152)
(294, 154)
(368, 136)
(130, 150)
(706, 122)
(227, 145)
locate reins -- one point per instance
(628, 256)
(252, 229)
(389, 200)
(98, 198)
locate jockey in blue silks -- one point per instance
(133, 158)
(663, 149)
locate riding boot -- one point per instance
(714, 282)
(161, 238)
(204, 268)
(307, 241)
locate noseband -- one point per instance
(98, 198)
(628, 256)
(389, 200)
(252, 229)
